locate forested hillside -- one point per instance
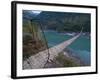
(65, 21)
(61, 21)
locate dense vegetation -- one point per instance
(65, 21)
(66, 61)
(61, 21)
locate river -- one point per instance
(80, 47)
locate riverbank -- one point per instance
(69, 33)
(65, 59)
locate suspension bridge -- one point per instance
(39, 60)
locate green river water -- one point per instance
(80, 47)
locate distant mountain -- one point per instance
(62, 21)
(65, 21)
(28, 14)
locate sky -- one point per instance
(36, 12)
